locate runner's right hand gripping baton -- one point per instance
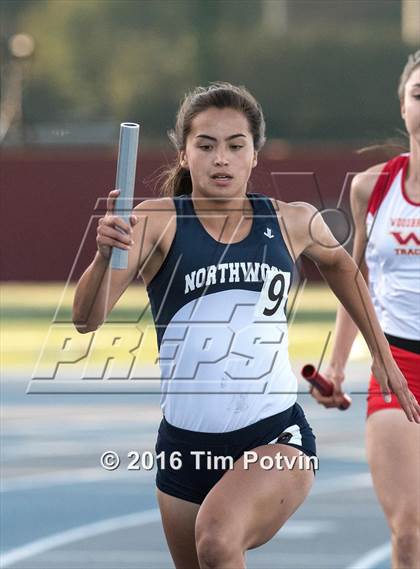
(126, 174)
(324, 385)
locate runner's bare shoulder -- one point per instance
(363, 184)
(157, 213)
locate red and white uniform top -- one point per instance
(393, 252)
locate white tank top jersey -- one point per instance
(219, 312)
(393, 252)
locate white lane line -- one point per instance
(149, 516)
(348, 482)
(373, 557)
(87, 475)
(77, 476)
(67, 448)
(301, 529)
(78, 533)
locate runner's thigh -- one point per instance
(251, 504)
(178, 519)
(393, 448)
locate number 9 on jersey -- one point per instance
(273, 296)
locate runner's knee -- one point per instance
(216, 544)
(214, 550)
(405, 525)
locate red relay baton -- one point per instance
(324, 385)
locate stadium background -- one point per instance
(326, 75)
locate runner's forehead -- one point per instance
(220, 124)
(414, 79)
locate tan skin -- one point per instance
(393, 444)
(246, 507)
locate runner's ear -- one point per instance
(183, 159)
(255, 159)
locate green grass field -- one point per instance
(31, 313)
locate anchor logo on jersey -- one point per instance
(268, 233)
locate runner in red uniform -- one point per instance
(385, 204)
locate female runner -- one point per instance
(217, 262)
(385, 204)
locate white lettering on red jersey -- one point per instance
(393, 252)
